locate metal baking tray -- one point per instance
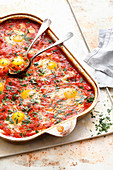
(69, 124)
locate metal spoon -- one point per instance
(63, 39)
(45, 24)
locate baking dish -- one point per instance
(66, 126)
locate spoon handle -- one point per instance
(45, 24)
(61, 40)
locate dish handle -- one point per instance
(63, 129)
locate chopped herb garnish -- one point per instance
(25, 48)
(92, 116)
(64, 69)
(21, 134)
(44, 95)
(36, 64)
(81, 80)
(10, 83)
(90, 99)
(50, 41)
(7, 119)
(109, 110)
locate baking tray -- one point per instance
(71, 122)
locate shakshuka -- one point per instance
(51, 91)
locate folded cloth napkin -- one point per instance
(101, 59)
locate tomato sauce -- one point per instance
(51, 91)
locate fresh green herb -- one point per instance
(11, 121)
(59, 100)
(44, 95)
(33, 81)
(16, 54)
(55, 50)
(50, 104)
(67, 79)
(3, 102)
(27, 74)
(24, 85)
(10, 111)
(8, 88)
(58, 120)
(50, 41)
(21, 134)
(27, 39)
(63, 74)
(16, 121)
(109, 110)
(92, 116)
(7, 119)
(90, 99)
(96, 111)
(64, 69)
(54, 76)
(54, 106)
(58, 80)
(36, 64)
(25, 48)
(81, 80)
(57, 87)
(26, 121)
(103, 125)
(10, 83)
(13, 98)
(41, 71)
(81, 87)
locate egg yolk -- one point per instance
(52, 65)
(27, 93)
(4, 62)
(70, 93)
(18, 38)
(17, 117)
(1, 86)
(18, 61)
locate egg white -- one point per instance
(43, 63)
(9, 39)
(35, 97)
(69, 101)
